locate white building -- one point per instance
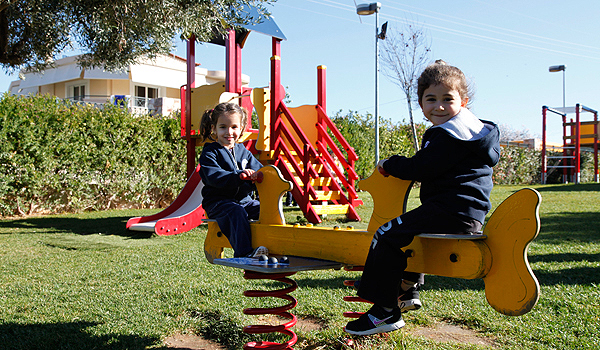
(149, 86)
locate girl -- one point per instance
(454, 167)
(226, 197)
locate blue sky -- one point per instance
(505, 48)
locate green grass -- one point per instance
(84, 282)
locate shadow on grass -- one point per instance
(570, 276)
(67, 336)
(569, 227)
(81, 226)
(563, 257)
(592, 187)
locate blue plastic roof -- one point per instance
(267, 26)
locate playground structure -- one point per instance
(302, 142)
(300, 156)
(577, 134)
(498, 255)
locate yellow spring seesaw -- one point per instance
(498, 256)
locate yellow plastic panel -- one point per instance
(390, 195)
(271, 191)
(203, 98)
(215, 242)
(261, 101)
(306, 117)
(343, 245)
(457, 258)
(587, 134)
(510, 286)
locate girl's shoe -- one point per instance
(258, 252)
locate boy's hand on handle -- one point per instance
(380, 168)
(251, 175)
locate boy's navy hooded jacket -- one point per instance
(221, 176)
(454, 165)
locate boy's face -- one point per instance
(228, 129)
(441, 103)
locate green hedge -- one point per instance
(359, 131)
(517, 166)
(57, 156)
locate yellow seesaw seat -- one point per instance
(498, 256)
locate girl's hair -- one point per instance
(211, 117)
(442, 73)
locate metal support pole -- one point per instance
(544, 165)
(595, 146)
(377, 86)
(191, 83)
(564, 106)
(577, 145)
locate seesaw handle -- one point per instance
(382, 171)
(259, 177)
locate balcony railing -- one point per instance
(135, 104)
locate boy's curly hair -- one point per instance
(442, 73)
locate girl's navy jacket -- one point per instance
(220, 173)
(454, 165)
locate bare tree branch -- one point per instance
(405, 54)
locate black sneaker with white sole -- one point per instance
(376, 320)
(409, 300)
(262, 250)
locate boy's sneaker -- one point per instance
(407, 301)
(376, 320)
(258, 252)
(410, 299)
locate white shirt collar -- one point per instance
(466, 126)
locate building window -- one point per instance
(77, 92)
(143, 94)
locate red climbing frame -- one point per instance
(572, 143)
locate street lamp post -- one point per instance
(365, 10)
(559, 68)
(553, 69)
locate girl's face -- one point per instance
(441, 103)
(228, 129)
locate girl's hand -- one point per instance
(248, 172)
(380, 168)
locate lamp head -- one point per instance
(558, 68)
(368, 9)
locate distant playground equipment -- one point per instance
(300, 156)
(498, 255)
(302, 142)
(578, 136)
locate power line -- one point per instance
(463, 22)
(503, 31)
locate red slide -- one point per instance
(184, 214)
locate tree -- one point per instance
(405, 53)
(112, 33)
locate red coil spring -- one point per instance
(350, 283)
(281, 311)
